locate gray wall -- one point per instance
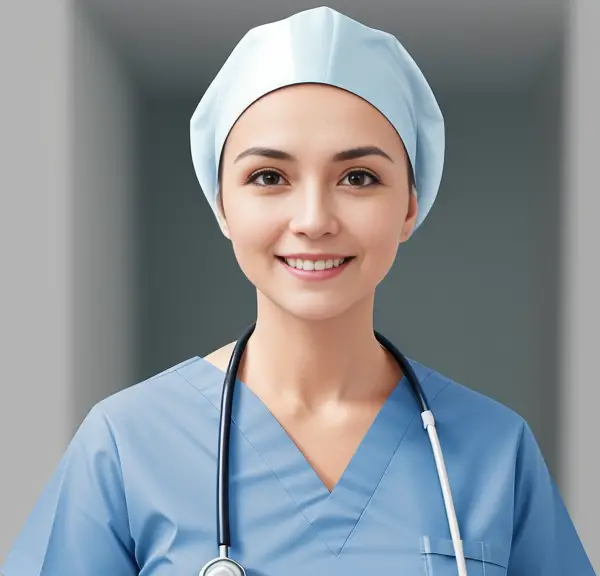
(68, 241)
(546, 211)
(463, 293)
(195, 298)
(104, 250)
(580, 278)
(35, 405)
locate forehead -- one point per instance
(312, 115)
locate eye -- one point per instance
(356, 178)
(268, 177)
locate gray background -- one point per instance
(114, 267)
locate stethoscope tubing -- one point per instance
(223, 526)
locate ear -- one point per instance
(411, 216)
(221, 216)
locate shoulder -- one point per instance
(167, 384)
(450, 394)
(134, 431)
(465, 411)
(155, 405)
(484, 436)
(496, 467)
(151, 423)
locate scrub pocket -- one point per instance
(482, 558)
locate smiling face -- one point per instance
(315, 198)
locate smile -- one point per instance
(315, 265)
(316, 268)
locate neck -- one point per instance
(308, 363)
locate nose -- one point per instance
(314, 212)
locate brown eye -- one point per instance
(268, 177)
(360, 178)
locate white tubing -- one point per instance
(429, 424)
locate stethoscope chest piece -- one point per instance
(222, 567)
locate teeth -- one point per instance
(311, 265)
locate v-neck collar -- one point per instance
(333, 515)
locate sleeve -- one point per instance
(544, 538)
(79, 525)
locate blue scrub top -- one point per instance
(134, 494)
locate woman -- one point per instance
(320, 147)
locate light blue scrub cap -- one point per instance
(323, 46)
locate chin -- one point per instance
(314, 308)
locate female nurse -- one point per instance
(319, 146)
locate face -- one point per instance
(314, 227)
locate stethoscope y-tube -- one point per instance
(225, 566)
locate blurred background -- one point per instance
(113, 267)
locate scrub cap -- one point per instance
(323, 46)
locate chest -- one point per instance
(384, 515)
(329, 441)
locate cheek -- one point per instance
(378, 233)
(379, 228)
(253, 233)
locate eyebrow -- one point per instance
(350, 154)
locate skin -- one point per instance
(313, 359)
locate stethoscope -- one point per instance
(225, 566)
